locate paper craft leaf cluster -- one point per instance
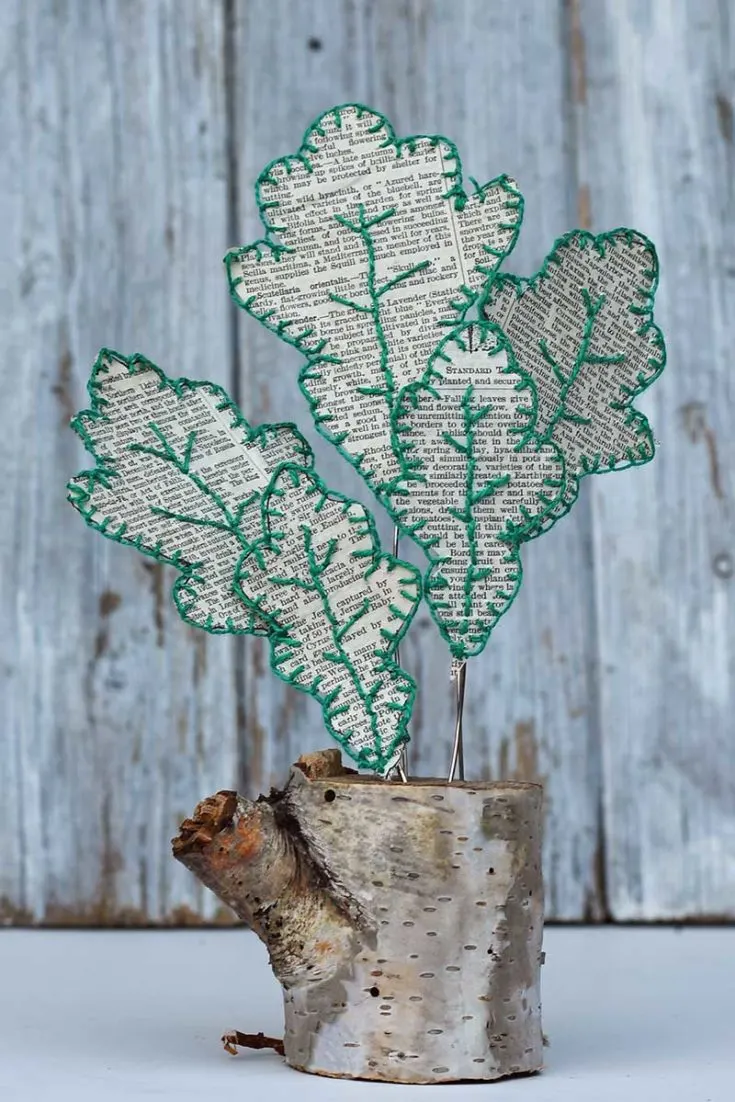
(372, 252)
(182, 476)
(470, 402)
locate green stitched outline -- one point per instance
(377, 758)
(80, 496)
(594, 464)
(317, 355)
(411, 472)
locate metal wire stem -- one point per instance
(457, 763)
(402, 766)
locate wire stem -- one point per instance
(402, 766)
(457, 763)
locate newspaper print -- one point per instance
(583, 330)
(373, 250)
(180, 476)
(476, 477)
(341, 607)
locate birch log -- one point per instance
(404, 921)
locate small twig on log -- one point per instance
(321, 764)
(209, 817)
(234, 1040)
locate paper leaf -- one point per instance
(179, 475)
(372, 251)
(475, 480)
(338, 607)
(583, 329)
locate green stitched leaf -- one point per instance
(372, 251)
(338, 608)
(583, 329)
(477, 480)
(179, 475)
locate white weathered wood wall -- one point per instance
(130, 135)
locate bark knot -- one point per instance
(210, 817)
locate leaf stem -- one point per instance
(316, 572)
(472, 496)
(167, 454)
(362, 228)
(592, 309)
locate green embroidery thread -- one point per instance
(316, 352)
(307, 567)
(81, 489)
(261, 510)
(362, 229)
(645, 330)
(407, 481)
(465, 626)
(291, 659)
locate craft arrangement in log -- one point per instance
(403, 921)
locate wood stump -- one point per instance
(404, 921)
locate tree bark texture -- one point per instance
(403, 921)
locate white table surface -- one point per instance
(634, 1015)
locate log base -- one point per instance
(404, 921)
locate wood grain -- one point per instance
(132, 133)
(410, 912)
(115, 716)
(657, 105)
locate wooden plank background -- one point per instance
(131, 132)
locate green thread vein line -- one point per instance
(316, 571)
(168, 455)
(81, 490)
(592, 309)
(645, 329)
(269, 246)
(284, 646)
(362, 230)
(491, 341)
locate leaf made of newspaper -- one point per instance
(338, 608)
(476, 478)
(372, 251)
(179, 475)
(582, 328)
